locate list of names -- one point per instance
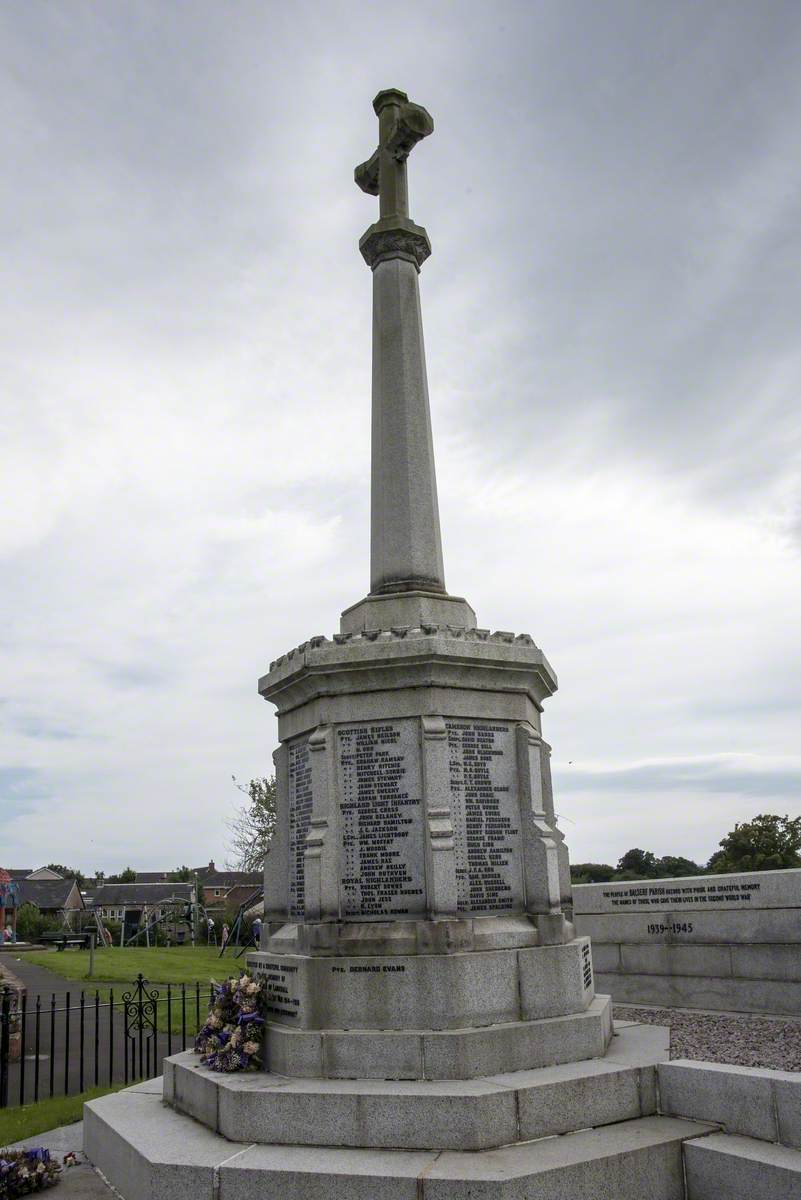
(382, 835)
(486, 817)
(300, 811)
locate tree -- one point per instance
(68, 873)
(591, 872)
(180, 875)
(31, 923)
(674, 867)
(637, 864)
(767, 843)
(252, 827)
(126, 876)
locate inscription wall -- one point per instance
(300, 811)
(380, 788)
(486, 815)
(749, 889)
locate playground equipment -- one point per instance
(133, 931)
(9, 904)
(236, 928)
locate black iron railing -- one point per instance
(66, 1045)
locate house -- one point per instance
(119, 901)
(54, 897)
(226, 890)
(40, 873)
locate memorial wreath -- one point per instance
(26, 1171)
(232, 1036)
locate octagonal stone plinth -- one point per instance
(476, 1114)
(425, 991)
(440, 1053)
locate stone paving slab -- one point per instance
(80, 1182)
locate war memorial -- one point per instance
(725, 942)
(433, 1025)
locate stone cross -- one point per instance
(401, 125)
(406, 547)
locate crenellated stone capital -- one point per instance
(395, 238)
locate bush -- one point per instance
(31, 923)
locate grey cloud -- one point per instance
(20, 788)
(719, 776)
(134, 675)
(34, 727)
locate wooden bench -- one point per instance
(62, 940)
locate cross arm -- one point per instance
(411, 125)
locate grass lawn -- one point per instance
(174, 1011)
(121, 965)
(116, 964)
(29, 1119)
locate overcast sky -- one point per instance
(612, 308)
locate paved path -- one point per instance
(78, 1183)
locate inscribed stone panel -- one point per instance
(486, 815)
(280, 980)
(751, 890)
(300, 811)
(382, 862)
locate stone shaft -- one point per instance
(393, 193)
(406, 546)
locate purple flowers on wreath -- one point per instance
(25, 1171)
(233, 1034)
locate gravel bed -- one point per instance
(747, 1041)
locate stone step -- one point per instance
(751, 1101)
(474, 1114)
(441, 1053)
(725, 1165)
(147, 1151)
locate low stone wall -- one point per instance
(723, 942)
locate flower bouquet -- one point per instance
(25, 1171)
(233, 1035)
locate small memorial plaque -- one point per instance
(300, 811)
(383, 873)
(486, 816)
(586, 966)
(280, 987)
